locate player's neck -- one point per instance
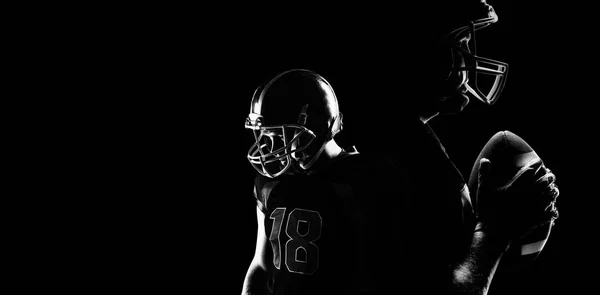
(426, 118)
(330, 152)
(332, 149)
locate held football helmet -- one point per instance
(293, 116)
(486, 77)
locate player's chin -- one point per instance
(453, 104)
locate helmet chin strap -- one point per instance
(312, 161)
(335, 128)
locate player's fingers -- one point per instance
(547, 177)
(554, 190)
(527, 176)
(485, 168)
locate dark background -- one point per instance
(170, 203)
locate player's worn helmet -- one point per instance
(292, 117)
(460, 22)
(477, 66)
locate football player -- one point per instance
(309, 221)
(497, 225)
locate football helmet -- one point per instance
(292, 116)
(485, 77)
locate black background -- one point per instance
(162, 162)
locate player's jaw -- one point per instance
(455, 98)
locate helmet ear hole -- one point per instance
(338, 124)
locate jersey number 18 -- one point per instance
(303, 228)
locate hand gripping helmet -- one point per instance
(486, 77)
(293, 116)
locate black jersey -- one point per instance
(314, 228)
(374, 222)
(436, 218)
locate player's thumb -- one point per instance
(483, 185)
(485, 168)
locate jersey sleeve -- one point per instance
(259, 202)
(262, 189)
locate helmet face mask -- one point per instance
(487, 77)
(277, 148)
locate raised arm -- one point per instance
(474, 275)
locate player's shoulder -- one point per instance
(261, 180)
(346, 164)
(262, 188)
(365, 164)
